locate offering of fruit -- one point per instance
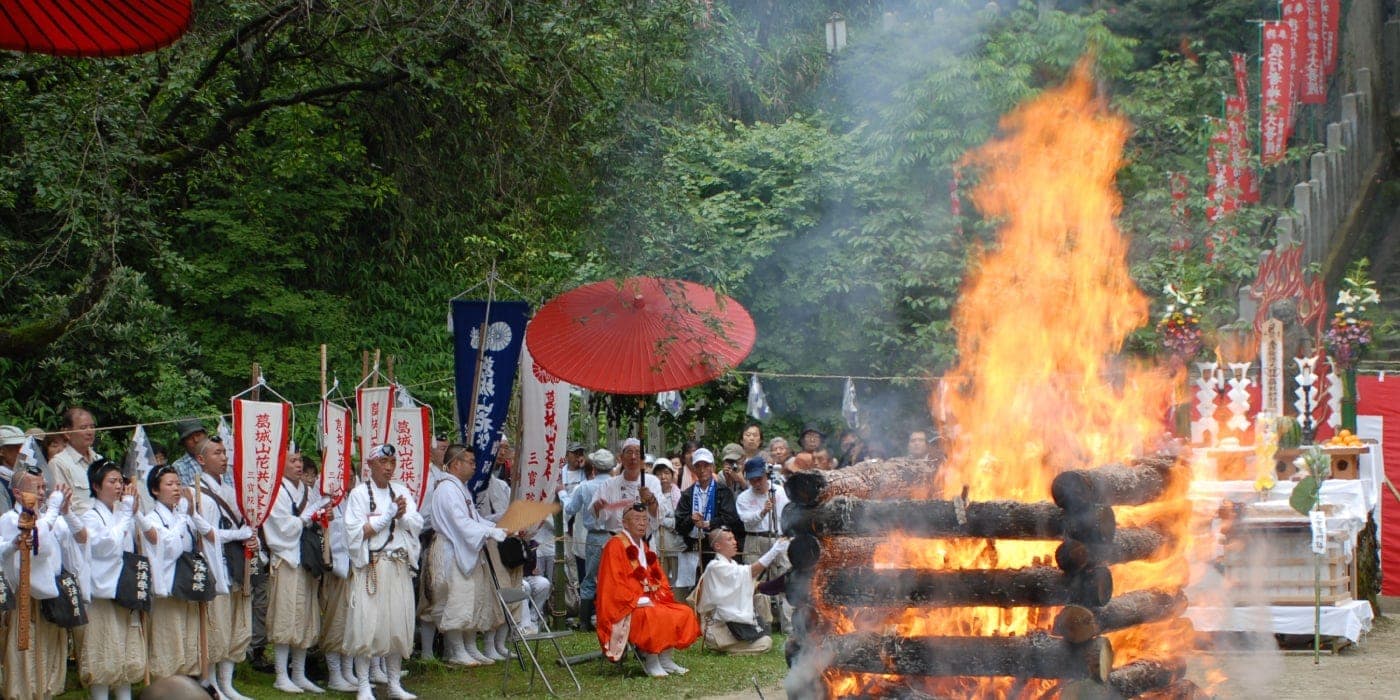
(1344, 438)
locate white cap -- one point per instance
(702, 455)
(11, 435)
(603, 460)
(663, 462)
(380, 451)
(630, 442)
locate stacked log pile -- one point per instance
(838, 519)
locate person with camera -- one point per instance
(705, 506)
(459, 585)
(113, 654)
(587, 531)
(724, 598)
(761, 506)
(293, 533)
(381, 527)
(225, 539)
(49, 529)
(635, 603)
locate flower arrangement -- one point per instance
(1180, 328)
(1349, 333)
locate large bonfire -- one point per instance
(1040, 390)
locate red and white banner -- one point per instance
(1240, 66)
(1294, 13)
(260, 428)
(1276, 89)
(544, 422)
(1221, 190)
(1247, 186)
(411, 434)
(335, 449)
(1330, 12)
(372, 406)
(1313, 88)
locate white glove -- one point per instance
(383, 522)
(75, 524)
(55, 502)
(242, 533)
(127, 505)
(183, 507)
(201, 525)
(773, 553)
(496, 534)
(307, 517)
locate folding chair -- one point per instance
(521, 642)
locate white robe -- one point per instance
(459, 523)
(210, 511)
(282, 530)
(173, 536)
(726, 591)
(110, 534)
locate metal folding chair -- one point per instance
(521, 642)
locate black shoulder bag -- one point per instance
(235, 553)
(66, 610)
(194, 582)
(134, 580)
(311, 545)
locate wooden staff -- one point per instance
(136, 546)
(325, 539)
(203, 606)
(29, 502)
(250, 552)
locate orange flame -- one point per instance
(1040, 388)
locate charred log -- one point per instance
(1129, 544)
(1003, 520)
(1032, 586)
(875, 480)
(1142, 482)
(1145, 676)
(1037, 655)
(1140, 607)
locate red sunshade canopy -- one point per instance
(641, 335)
(91, 27)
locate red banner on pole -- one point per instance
(1222, 190)
(1237, 61)
(1331, 27)
(372, 406)
(1180, 189)
(1313, 88)
(1236, 113)
(1295, 14)
(261, 428)
(335, 449)
(1276, 87)
(411, 434)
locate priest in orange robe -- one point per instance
(635, 604)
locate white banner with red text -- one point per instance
(260, 429)
(335, 435)
(372, 406)
(411, 434)
(544, 422)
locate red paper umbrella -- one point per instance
(642, 335)
(91, 27)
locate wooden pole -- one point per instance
(29, 504)
(250, 554)
(203, 606)
(364, 365)
(390, 370)
(375, 369)
(325, 449)
(323, 369)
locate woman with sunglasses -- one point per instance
(174, 623)
(113, 654)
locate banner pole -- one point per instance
(251, 554)
(364, 366)
(323, 370)
(375, 381)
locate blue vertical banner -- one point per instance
(487, 337)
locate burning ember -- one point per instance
(1048, 553)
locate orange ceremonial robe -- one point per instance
(622, 581)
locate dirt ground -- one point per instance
(1360, 672)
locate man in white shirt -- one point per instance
(59, 536)
(463, 604)
(381, 526)
(293, 610)
(633, 485)
(724, 597)
(761, 506)
(70, 466)
(218, 522)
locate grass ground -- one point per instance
(710, 674)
